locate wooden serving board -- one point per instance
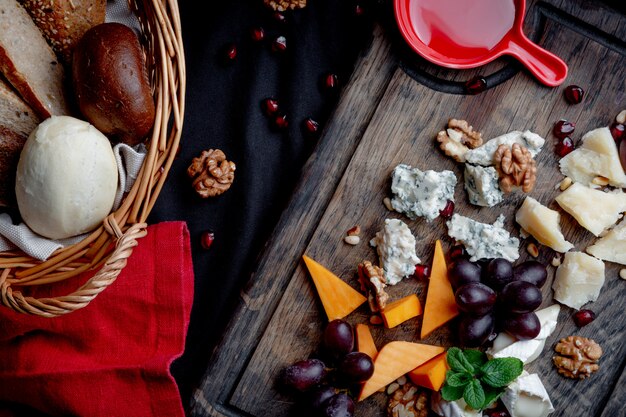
(389, 113)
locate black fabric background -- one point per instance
(223, 111)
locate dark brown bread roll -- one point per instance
(111, 83)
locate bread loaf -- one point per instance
(28, 62)
(64, 22)
(17, 121)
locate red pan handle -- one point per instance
(547, 67)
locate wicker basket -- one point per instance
(107, 249)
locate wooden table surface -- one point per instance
(389, 113)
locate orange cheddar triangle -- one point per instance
(338, 298)
(365, 341)
(394, 360)
(432, 374)
(440, 305)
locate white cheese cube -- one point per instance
(458, 408)
(421, 194)
(483, 241)
(543, 224)
(594, 210)
(527, 397)
(578, 280)
(395, 245)
(612, 246)
(597, 156)
(481, 184)
(483, 155)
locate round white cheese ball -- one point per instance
(66, 178)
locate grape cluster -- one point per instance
(323, 390)
(493, 296)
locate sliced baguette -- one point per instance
(28, 62)
(17, 120)
(64, 22)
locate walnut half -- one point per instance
(578, 357)
(458, 139)
(211, 173)
(373, 283)
(516, 167)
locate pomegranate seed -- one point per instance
(331, 82)
(359, 10)
(457, 251)
(564, 146)
(617, 131)
(622, 154)
(270, 106)
(476, 85)
(279, 45)
(230, 52)
(280, 121)
(279, 17)
(584, 317)
(207, 239)
(447, 211)
(257, 34)
(563, 128)
(574, 94)
(311, 126)
(496, 412)
(422, 271)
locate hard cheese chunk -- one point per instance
(432, 374)
(527, 397)
(395, 245)
(505, 345)
(578, 280)
(594, 210)
(611, 247)
(421, 194)
(597, 156)
(543, 224)
(481, 184)
(338, 298)
(484, 241)
(400, 311)
(483, 155)
(440, 305)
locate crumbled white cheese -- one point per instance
(483, 241)
(421, 194)
(458, 408)
(578, 280)
(527, 397)
(482, 186)
(395, 245)
(483, 155)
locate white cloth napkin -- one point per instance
(12, 236)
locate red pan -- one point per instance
(471, 33)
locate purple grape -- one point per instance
(498, 273)
(304, 375)
(523, 326)
(319, 396)
(520, 297)
(338, 338)
(356, 367)
(475, 331)
(462, 272)
(531, 271)
(339, 405)
(475, 298)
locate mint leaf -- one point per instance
(458, 379)
(474, 395)
(449, 393)
(500, 372)
(491, 395)
(457, 361)
(475, 357)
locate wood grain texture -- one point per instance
(281, 320)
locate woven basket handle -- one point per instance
(57, 306)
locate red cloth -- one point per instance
(111, 358)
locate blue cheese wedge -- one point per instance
(483, 241)
(421, 194)
(578, 280)
(458, 408)
(481, 184)
(612, 246)
(483, 155)
(395, 245)
(527, 397)
(506, 346)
